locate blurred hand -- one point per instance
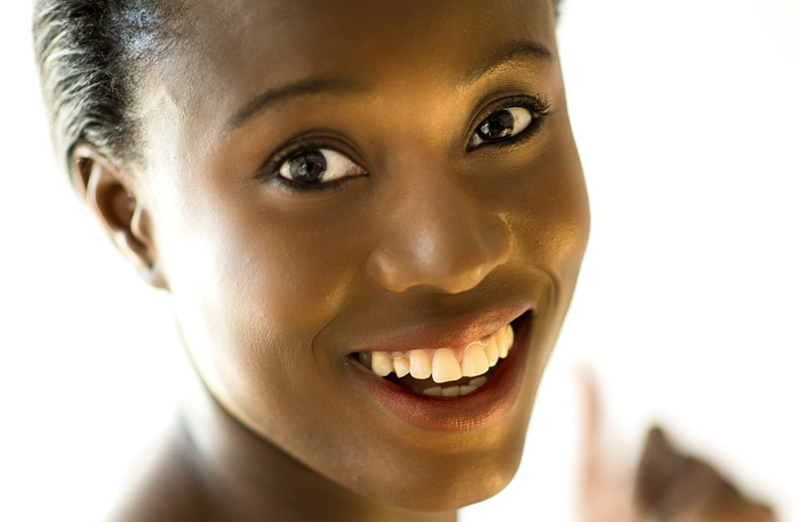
(666, 486)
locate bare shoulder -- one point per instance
(166, 486)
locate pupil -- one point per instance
(498, 125)
(308, 166)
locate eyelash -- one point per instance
(270, 171)
(536, 104)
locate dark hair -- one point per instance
(91, 54)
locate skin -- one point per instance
(272, 287)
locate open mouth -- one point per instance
(451, 388)
(452, 371)
(443, 372)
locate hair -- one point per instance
(91, 54)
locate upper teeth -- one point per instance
(444, 364)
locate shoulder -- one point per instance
(166, 485)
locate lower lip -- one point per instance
(478, 409)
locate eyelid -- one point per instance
(538, 105)
(308, 141)
(338, 166)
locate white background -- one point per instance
(684, 112)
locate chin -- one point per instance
(454, 483)
(470, 468)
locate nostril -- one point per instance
(398, 276)
(465, 280)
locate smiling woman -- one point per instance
(368, 218)
(369, 248)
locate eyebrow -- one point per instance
(514, 52)
(309, 87)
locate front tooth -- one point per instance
(420, 364)
(475, 360)
(382, 366)
(402, 366)
(492, 351)
(445, 366)
(451, 391)
(505, 340)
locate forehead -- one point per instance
(319, 34)
(228, 53)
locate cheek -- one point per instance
(547, 210)
(562, 223)
(252, 287)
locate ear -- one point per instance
(111, 198)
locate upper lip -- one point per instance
(457, 333)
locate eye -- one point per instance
(313, 167)
(501, 125)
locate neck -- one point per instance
(245, 477)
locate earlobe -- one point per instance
(112, 200)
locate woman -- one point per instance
(318, 186)
(370, 237)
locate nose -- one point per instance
(436, 235)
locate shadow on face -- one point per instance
(322, 177)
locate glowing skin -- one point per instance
(454, 207)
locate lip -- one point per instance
(478, 409)
(449, 335)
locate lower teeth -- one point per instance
(456, 391)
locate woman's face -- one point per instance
(333, 177)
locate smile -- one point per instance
(461, 369)
(455, 381)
